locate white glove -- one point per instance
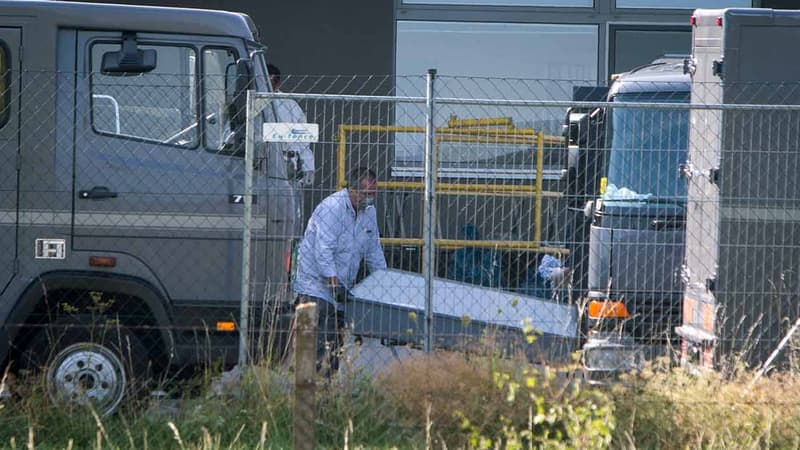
(308, 178)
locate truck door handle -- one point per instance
(97, 192)
(668, 224)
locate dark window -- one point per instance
(634, 46)
(5, 84)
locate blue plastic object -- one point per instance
(472, 265)
(540, 281)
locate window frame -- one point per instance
(613, 27)
(91, 84)
(414, 168)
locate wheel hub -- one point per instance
(87, 372)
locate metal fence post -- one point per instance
(429, 208)
(249, 145)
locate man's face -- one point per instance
(366, 193)
(276, 82)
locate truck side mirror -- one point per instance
(584, 132)
(129, 59)
(238, 79)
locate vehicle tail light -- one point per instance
(607, 309)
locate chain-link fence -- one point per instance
(614, 231)
(494, 276)
(741, 229)
(510, 217)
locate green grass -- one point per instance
(445, 400)
(257, 415)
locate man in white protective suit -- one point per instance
(287, 110)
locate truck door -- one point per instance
(154, 181)
(9, 150)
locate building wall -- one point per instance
(314, 37)
(347, 37)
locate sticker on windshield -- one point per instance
(291, 132)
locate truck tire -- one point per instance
(84, 363)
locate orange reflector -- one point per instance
(599, 309)
(102, 261)
(226, 326)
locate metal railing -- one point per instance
(478, 131)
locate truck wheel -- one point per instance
(85, 365)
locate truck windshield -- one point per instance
(647, 145)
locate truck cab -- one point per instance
(635, 243)
(121, 151)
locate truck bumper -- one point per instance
(606, 355)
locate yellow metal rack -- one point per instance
(482, 130)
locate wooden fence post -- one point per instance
(305, 372)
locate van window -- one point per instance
(215, 63)
(159, 106)
(5, 78)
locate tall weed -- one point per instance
(671, 408)
(487, 402)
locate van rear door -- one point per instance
(9, 150)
